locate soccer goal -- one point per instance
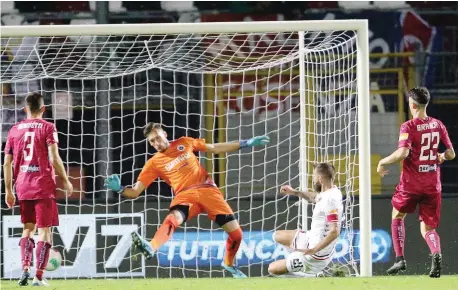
(303, 83)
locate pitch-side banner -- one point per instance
(92, 245)
(204, 249)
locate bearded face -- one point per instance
(316, 185)
(316, 182)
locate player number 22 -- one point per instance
(429, 142)
(29, 139)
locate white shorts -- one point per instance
(298, 262)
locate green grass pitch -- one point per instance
(374, 283)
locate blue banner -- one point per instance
(207, 248)
(385, 31)
(391, 31)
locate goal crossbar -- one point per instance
(176, 28)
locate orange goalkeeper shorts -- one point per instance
(203, 199)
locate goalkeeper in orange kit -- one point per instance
(195, 192)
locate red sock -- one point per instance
(398, 236)
(27, 246)
(433, 241)
(165, 232)
(232, 246)
(42, 258)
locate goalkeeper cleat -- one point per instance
(41, 282)
(142, 245)
(236, 273)
(436, 266)
(24, 281)
(399, 266)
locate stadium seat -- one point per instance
(354, 5)
(12, 19)
(7, 7)
(178, 6)
(116, 6)
(82, 21)
(390, 4)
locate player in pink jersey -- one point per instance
(420, 179)
(32, 148)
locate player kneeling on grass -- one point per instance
(312, 251)
(195, 192)
(32, 148)
(420, 184)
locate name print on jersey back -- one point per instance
(33, 171)
(421, 173)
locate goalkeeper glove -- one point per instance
(255, 141)
(113, 182)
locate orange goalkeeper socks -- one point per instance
(232, 246)
(164, 232)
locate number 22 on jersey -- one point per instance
(29, 139)
(429, 142)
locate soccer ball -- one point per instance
(54, 260)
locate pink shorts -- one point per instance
(429, 206)
(42, 212)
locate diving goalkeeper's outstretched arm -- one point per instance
(233, 146)
(113, 182)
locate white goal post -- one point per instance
(306, 74)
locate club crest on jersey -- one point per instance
(180, 147)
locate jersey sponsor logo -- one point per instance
(427, 168)
(177, 161)
(180, 147)
(403, 136)
(29, 168)
(93, 245)
(30, 126)
(427, 126)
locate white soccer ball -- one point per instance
(54, 260)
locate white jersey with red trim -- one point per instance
(328, 209)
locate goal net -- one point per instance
(300, 88)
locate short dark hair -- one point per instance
(420, 95)
(34, 101)
(325, 169)
(150, 127)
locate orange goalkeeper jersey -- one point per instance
(177, 166)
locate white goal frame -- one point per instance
(362, 76)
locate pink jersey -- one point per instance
(420, 170)
(33, 171)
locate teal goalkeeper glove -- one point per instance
(113, 182)
(255, 141)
